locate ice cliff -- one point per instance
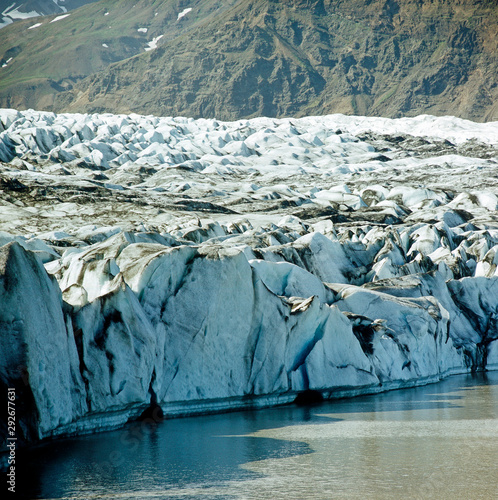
(353, 286)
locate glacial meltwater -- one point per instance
(437, 441)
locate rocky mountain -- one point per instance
(261, 57)
(12, 11)
(42, 58)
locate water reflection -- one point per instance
(175, 453)
(438, 441)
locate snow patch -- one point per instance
(153, 43)
(58, 18)
(14, 13)
(5, 21)
(37, 25)
(60, 6)
(11, 6)
(183, 13)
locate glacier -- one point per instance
(193, 266)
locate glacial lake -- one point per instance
(437, 441)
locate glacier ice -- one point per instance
(204, 265)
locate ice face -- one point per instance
(207, 265)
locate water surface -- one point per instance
(438, 441)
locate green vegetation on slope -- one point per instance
(255, 57)
(89, 40)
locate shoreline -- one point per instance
(179, 410)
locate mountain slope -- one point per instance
(298, 57)
(12, 11)
(40, 58)
(285, 58)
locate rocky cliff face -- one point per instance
(201, 266)
(292, 58)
